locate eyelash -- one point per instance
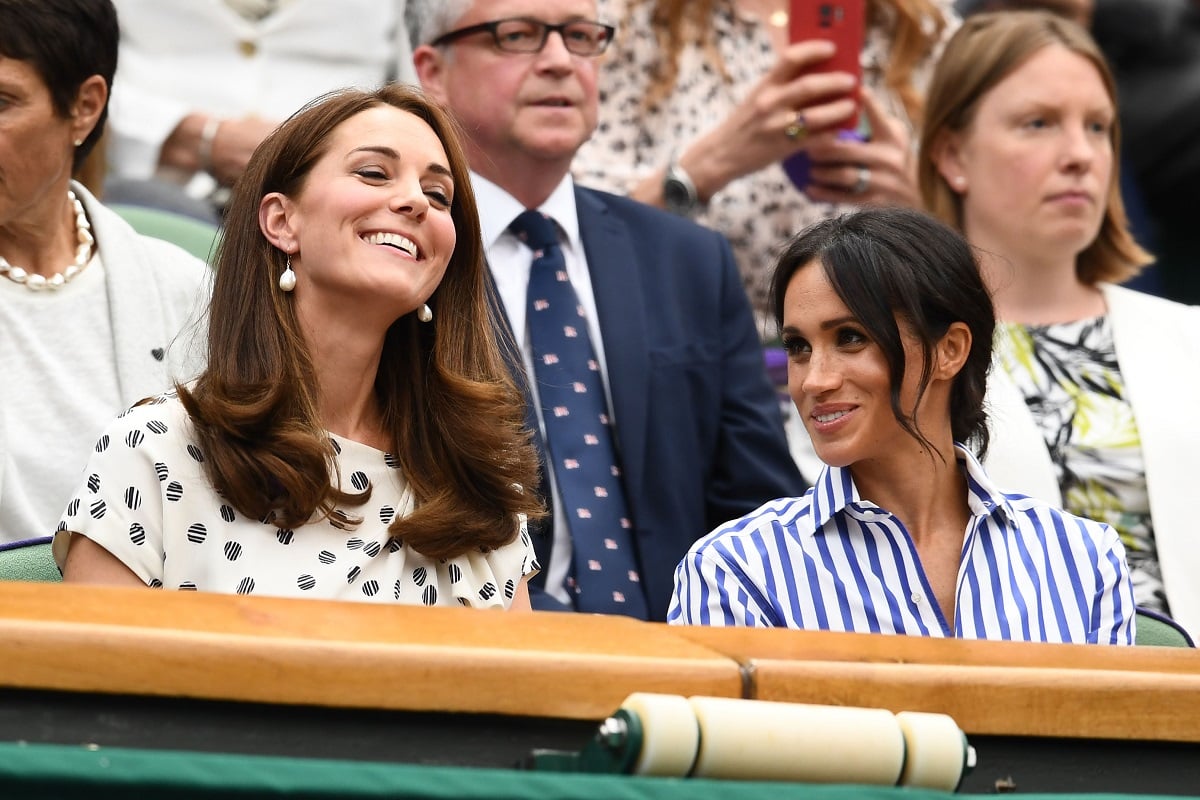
(796, 346)
(372, 174)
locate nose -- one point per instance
(554, 53)
(1081, 147)
(817, 376)
(408, 197)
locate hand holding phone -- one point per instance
(842, 22)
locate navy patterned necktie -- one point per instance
(578, 434)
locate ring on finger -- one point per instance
(862, 182)
(796, 129)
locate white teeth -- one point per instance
(831, 417)
(393, 239)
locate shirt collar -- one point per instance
(498, 208)
(834, 490)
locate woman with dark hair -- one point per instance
(1093, 398)
(888, 329)
(356, 434)
(89, 308)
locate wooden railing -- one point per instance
(357, 655)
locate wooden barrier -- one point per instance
(204, 672)
(996, 688)
(305, 652)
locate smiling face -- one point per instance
(516, 108)
(1035, 165)
(839, 378)
(371, 226)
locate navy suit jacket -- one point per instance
(698, 426)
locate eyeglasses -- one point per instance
(523, 35)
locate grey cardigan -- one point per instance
(157, 301)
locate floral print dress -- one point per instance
(1072, 384)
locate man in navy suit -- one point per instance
(697, 426)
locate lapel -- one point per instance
(139, 329)
(614, 268)
(1162, 384)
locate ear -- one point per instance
(429, 63)
(88, 105)
(951, 351)
(276, 219)
(947, 156)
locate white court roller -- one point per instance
(670, 734)
(937, 751)
(763, 740)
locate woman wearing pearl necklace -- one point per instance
(89, 309)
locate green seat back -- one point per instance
(28, 560)
(1160, 631)
(194, 236)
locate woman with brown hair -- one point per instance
(1092, 397)
(356, 434)
(710, 96)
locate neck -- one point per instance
(42, 240)
(530, 182)
(1039, 291)
(928, 493)
(346, 362)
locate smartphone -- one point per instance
(842, 22)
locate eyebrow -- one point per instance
(827, 324)
(388, 152)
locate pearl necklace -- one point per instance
(83, 254)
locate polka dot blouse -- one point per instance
(146, 499)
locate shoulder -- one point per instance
(757, 531)
(1125, 303)
(122, 247)
(157, 414)
(1047, 521)
(659, 224)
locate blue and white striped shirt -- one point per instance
(831, 561)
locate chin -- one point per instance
(835, 456)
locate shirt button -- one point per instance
(917, 598)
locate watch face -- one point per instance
(676, 196)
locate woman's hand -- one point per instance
(879, 172)
(779, 116)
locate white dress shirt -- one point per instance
(510, 262)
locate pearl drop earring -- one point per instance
(287, 281)
(960, 182)
(425, 313)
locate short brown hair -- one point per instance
(982, 53)
(451, 409)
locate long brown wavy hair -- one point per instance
(915, 27)
(450, 406)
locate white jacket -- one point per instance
(180, 56)
(1158, 350)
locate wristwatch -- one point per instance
(679, 193)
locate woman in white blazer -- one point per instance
(1093, 385)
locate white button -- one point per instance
(917, 598)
